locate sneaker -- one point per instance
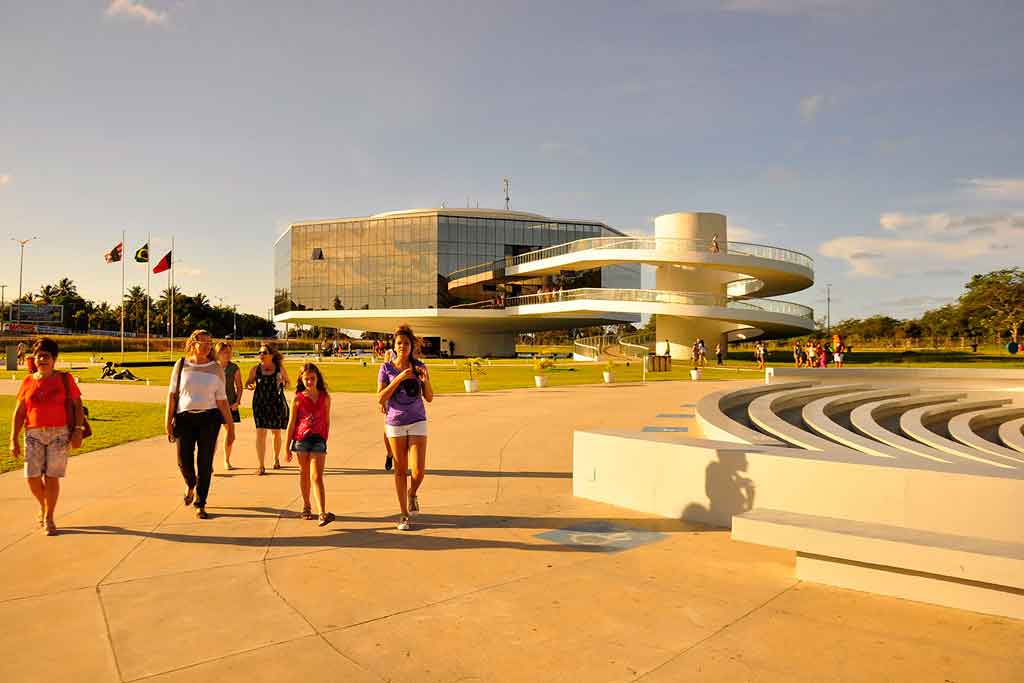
(403, 524)
(414, 504)
(387, 462)
(201, 513)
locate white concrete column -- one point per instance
(678, 230)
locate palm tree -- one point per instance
(135, 302)
(67, 288)
(47, 294)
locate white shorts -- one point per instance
(838, 358)
(414, 429)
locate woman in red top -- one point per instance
(42, 412)
(308, 429)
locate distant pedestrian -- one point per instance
(718, 353)
(403, 385)
(51, 430)
(269, 406)
(233, 388)
(839, 353)
(21, 353)
(197, 405)
(714, 244)
(308, 430)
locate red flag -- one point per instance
(114, 255)
(165, 264)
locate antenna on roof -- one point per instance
(506, 182)
(467, 201)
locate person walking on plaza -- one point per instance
(49, 408)
(233, 388)
(308, 430)
(718, 353)
(197, 405)
(269, 406)
(403, 385)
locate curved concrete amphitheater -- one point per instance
(706, 286)
(902, 482)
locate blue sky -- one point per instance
(882, 138)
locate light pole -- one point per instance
(3, 290)
(828, 309)
(21, 268)
(234, 317)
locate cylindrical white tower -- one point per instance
(689, 232)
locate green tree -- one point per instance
(995, 301)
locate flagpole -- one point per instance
(122, 295)
(171, 276)
(149, 296)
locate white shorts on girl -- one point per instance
(414, 429)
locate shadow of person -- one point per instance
(729, 492)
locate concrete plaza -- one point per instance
(506, 576)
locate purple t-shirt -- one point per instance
(405, 405)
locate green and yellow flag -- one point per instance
(142, 255)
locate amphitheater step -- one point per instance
(970, 573)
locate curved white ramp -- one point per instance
(964, 428)
(715, 423)
(764, 412)
(912, 423)
(864, 419)
(1012, 434)
(817, 416)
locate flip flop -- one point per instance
(326, 518)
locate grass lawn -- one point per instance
(113, 423)
(352, 376)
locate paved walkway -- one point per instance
(505, 578)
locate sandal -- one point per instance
(277, 464)
(51, 528)
(307, 513)
(201, 513)
(261, 471)
(228, 466)
(326, 518)
(42, 519)
(189, 497)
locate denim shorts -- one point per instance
(314, 443)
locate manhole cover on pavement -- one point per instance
(601, 536)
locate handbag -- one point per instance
(179, 368)
(69, 408)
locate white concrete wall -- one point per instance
(709, 481)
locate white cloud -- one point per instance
(741, 233)
(997, 188)
(926, 244)
(4, 179)
(792, 6)
(812, 105)
(135, 10)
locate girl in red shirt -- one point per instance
(308, 429)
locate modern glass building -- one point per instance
(475, 277)
(403, 259)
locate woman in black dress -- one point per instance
(269, 406)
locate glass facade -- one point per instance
(403, 260)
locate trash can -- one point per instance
(12, 357)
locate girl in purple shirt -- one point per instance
(402, 386)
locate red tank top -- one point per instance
(311, 417)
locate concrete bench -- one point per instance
(965, 572)
(716, 424)
(864, 419)
(764, 412)
(817, 416)
(912, 424)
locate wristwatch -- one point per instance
(81, 427)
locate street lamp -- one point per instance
(828, 309)
(21, 268)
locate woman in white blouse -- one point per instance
(197, 405)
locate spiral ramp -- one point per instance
(706, 286)
(946, 467)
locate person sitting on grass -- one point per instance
(50, 431)
(307, 436)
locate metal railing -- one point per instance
(636, 345)
(658, 296)
(662, 246)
